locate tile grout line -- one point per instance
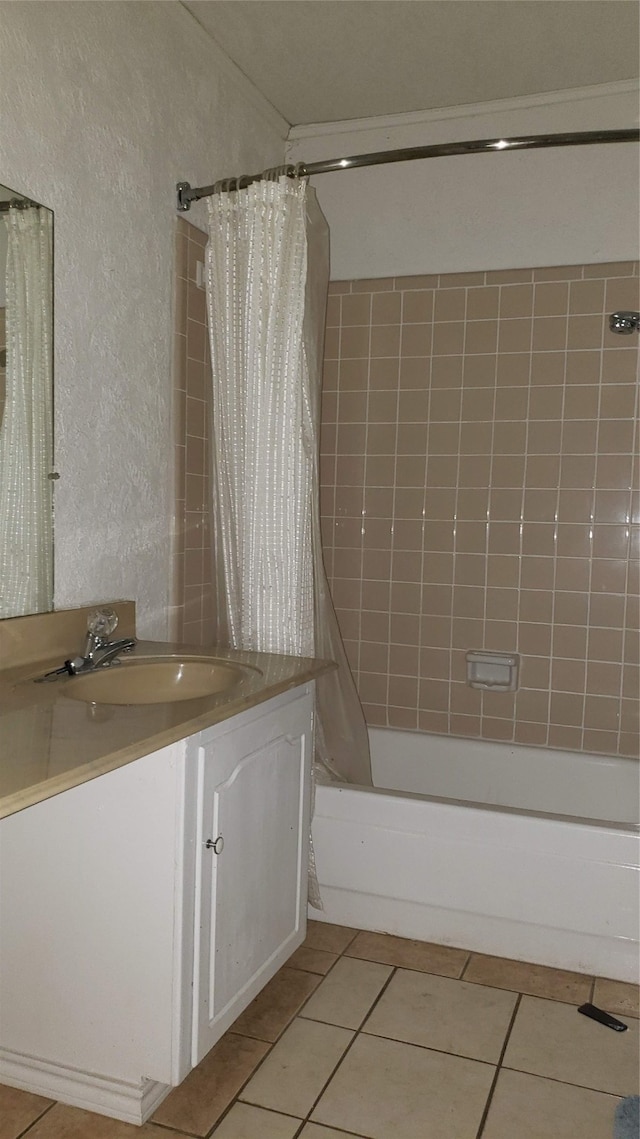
(37, 1119)
(487, 1106)
(245, 1103)
(309, 973)
(272, 1044)
(563, 1083)
(426, 1047)
(466, 965)
(490, 985)
(356, 1034)
(338, 1130)
(177, 1130)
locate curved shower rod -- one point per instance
(188, 194)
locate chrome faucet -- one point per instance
(99, 651)
(100, 654)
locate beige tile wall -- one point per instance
(192, 610)
(479, 491)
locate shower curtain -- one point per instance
(267, 277)
(26, 437)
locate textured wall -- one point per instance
(105, 106)
(479, 492)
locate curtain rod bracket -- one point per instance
(185, 196)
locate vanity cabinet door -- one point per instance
(251, 869)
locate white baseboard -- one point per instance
(132, 1103)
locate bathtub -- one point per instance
(514, 851)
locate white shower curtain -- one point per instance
(26, 441)
(267, 277)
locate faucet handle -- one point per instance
(102, 622)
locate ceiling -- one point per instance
(329, 60)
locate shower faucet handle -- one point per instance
(624, 321)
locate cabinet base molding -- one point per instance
(119, 1099)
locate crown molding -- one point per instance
(465, 110)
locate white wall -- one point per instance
(105, 106)
(494, 211)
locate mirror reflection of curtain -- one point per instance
(26, 437)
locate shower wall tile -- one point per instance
(192, 608)
(479, 490)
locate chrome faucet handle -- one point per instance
(100, 624)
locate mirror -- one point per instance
(26, 405)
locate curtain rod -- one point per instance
(187, 194)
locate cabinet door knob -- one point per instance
(215, 844)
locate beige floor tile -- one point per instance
(315, 1131)
(330, 938)
(532, 1108)
(347, 994)
(298, 1067)
(407, 954)
(18, 1109)
(617, 997)
(552, 1039)
(437, 1012)
(247, 1122)
(313, 960)
(208, 1090)
(275, 1007)
(537, 980)
(387, 1090)
(64, 1122)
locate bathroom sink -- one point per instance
(157, 681)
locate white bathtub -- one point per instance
(513, 851)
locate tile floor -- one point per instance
(368, 1036)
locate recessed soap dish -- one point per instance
(497, 672)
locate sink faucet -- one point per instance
(99, 651)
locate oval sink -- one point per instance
(156, 682)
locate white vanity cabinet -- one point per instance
(142, 911)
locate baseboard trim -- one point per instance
(118, 1099)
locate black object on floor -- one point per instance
(603, 1017)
